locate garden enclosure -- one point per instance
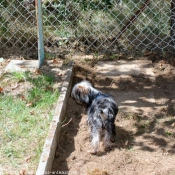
(88, 26)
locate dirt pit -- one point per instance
(145, 142)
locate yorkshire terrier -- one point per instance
(102, 110)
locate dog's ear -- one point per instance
(83, 90)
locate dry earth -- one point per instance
(145, 142)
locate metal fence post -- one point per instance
(172, 22)
(40, 31)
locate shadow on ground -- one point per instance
(150, 128)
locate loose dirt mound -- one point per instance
(145, 143)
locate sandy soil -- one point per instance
(145, 144)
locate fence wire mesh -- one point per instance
(88, 26)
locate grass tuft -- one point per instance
(25, 119)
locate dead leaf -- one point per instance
(55, 61)
(38, 72)
(49, 88)
(28, 158)
(14, 86)
(22, 67)
(29, 104)
(32, 112)
(173, 124)
(23, 97)
(121, 56)
(23, 172)
(147, 53)
(162, 62)
(1, 90)
(155, 53)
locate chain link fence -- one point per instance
(88, 26)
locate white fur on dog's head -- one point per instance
(81, 92)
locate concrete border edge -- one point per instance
(50, 145)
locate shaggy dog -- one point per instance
(102, 110)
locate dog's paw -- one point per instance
(93, 152)
(110, 147)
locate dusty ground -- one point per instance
(145, 143)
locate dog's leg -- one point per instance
(95, 141)
(107, 141)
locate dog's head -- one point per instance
(81, 92)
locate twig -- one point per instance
(67, 123)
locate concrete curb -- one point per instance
(48, 154)
(21, 65)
